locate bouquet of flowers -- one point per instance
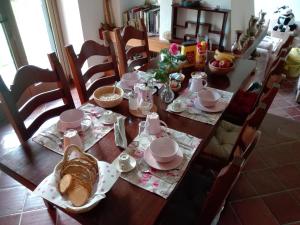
(170, 61)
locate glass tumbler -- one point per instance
(71, 137)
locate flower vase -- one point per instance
(167, 95)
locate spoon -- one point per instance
(115, 87)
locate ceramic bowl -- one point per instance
(208, 98)
(108, 103)
(71, 119)
(163, 149)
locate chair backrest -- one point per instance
(87, 82)
(286, 46)
(19, 104)
(249, 133)
(126, 55)
(219, 192)
(245, 148)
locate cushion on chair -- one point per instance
(241, 106)
(221, 144)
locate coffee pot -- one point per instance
(197, 83)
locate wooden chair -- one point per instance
(219, 192)
(286, 46)
(231, 140)
(18, 103)
(197, 201)
(126, 55)
(87, 82)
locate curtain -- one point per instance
(58, 35)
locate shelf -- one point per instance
(197, 23)
(209, 9)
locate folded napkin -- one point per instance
(120, 135)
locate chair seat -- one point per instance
(222, 143)
(187, 201)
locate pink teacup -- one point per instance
(71, 119)
(208, 98)
(153, 123)
(163, 149)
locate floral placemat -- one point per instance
(159, 182)
(194, 113)
(53, 139)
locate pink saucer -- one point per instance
(218, 107)
(163, 166)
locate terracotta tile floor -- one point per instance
(284, 104)
(268, 191)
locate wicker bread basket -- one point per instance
(108, 103)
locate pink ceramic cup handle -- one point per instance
(163, 123)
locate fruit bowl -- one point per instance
(218, 69)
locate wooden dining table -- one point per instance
(125, 203)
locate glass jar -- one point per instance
(133, 100)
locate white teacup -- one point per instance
(124, 161)
(177, 105)
(109, 117)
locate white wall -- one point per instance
(165, 17)
(71, 23)
(91, 14)
(241, 10)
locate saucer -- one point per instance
(85, 125)
(163, 166)
(103, 121)
(131, 167)
(218, 107)
(179, 110)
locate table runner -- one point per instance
(196, 114)
(50, 137)
(159, 182)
